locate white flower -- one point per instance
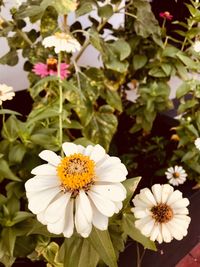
(162, 213)
(62, 42)
(176, 175)
(83, 188)
(197, 143)
(6, 93)
(196, 46)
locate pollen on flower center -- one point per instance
(76, 172)
(162, 213)
(52, 64)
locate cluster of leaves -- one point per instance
(93, 101)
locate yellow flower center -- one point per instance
(162, 213)
(62, 35)
(76, 172)
(176, 175)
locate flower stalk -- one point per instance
(60, 99)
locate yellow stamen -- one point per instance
(76, 172)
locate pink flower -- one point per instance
(50, 69)
(166, 15)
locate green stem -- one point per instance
(139, 257)
(60, 100)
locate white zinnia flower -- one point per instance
(83, 188)
(176, 175)
(196, 46)
(62, 42)
(197, 143)
(6, 93)
(162, 213)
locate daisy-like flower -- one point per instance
(6, 93)
(176, 175)
(62, 42)
(161, 213)
(196, 46)
(166, 15)
(50, 69)
(83, 188)
(197, 143)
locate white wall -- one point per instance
(17, 77)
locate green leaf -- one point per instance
(187, 105)
(16, 153)
(130, 185)
(63, 7)
(5, 171)
(102, 127)
(187, 60)
(48, 22)
(42, 113)
(84, 8)
(8, 237)
(87, 255)
(139, 61)
(24, 245)
(105, 11)
(8, 111)
(101, 242)
(128, 224)
(113, 99)
(157, 72)
(11, 129)
(182, 90)
(11, 58)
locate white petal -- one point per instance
(147, 228)
(83, 215)
(108, 162)
(40, 218)
(40, 183)
(69, 219)
(147, 197)
(99, 220)
(142, 222)
(140, 212)
(181, 203)
(118, 206)
(57, 227)
(113, 175)
(176, 195)
(50, 157)
(166, 192)
(44, 169)
(40, 200)
(105, 206)
(167, 237)
(88, 150)
(139, 203)
(69, 148)
(97, 153)
(56, 209)
(157, 191)
(154, 232)
(114, 192)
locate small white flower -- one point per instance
(83, 188)
(197, 143)
(196, 46)
(62, 42)
(176, 175)
(6, 93)
(161, 213)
